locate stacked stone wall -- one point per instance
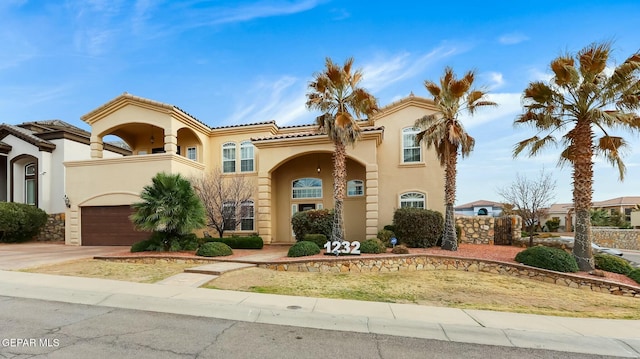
(53, 230)
(616, 238)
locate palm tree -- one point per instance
(169, 206)
(335, 93)
(569, 109)
(443, 131)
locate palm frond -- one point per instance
(593, 59)
(610, 147)
(433, 88)
(564, 70)
(534, 144)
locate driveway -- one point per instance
(24, 255)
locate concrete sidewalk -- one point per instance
(593, 336)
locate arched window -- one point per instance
(483, 212)
(355, 188)
(30, 184)
(412, 200)
(246, 156)
(410, 146)
(307, 188)
(229, 157)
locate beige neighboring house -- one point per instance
(479, 208)
(291, 168)
(564, 211)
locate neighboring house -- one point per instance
(479, 208)
(291, 168)
(565, 213)
(31, 161)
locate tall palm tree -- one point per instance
(569, 109)
(335, 92)
(169, 206)
(443, 131)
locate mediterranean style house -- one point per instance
(291, 168)
(624, 205)
(31, 161)
(479, 208)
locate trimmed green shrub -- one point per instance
(303, 248)
(317, 238)
(373, 245)
(250, 242)
(548, 258)
(20, 222)
(610, 263)
(385, 236)
(312, 222)
(141, 246)
(418, 228)
(553, 224)
(188, 242)
(401, 249)
(635, 275)
(214, 249)
(389, 227)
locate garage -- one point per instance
(108, 226)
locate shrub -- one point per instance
(553, 224)
(303, 248)
(319, 239)
(401, 249)
(635, 275)
(548, 258)
(188, 242)
(311, 222)
(373, 245)
(214, 249)
(612, 263)
(141, 246)
(417, 227)
(385, 236)
(20, 222)
(389, 227)
(250, 242)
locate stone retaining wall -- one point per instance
(53, 230)
(385, 264)
(481, 229)
(616, 238)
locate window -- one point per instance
(246, 156)
(307, 188)
(30, 184)
(355, 188)
(412, 200)
(229, 216)
(192, 153)
(229, 157)
(410, 146)
(247, 216)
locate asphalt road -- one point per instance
(39, 329)
(632, 256)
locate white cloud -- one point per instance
(217, 16)
(507, 110)
(512, 38)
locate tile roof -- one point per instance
(245, 125)
(618, 201)
(25, 135)
(307, 134)
(479, 203)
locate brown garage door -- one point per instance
(108, 226)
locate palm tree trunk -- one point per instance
(582, 190)
(449, 238)
(339, 188)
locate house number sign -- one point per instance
(344, 247)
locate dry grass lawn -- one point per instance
(437, 288)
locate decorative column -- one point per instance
(372, 200)
(72, 226)
(96, 146)
(171, 141)
(264, 207)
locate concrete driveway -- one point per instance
(24, 255)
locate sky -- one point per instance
(238, 62)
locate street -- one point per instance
(39, 329)
(632, 256)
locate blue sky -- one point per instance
(233, 62)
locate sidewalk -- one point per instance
(593, 336)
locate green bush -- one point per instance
(188, 242)
(418, 228)
(250, 242)
(385, 236)
(548, 258)
(610, 263)
(312, 222)
(389, 227)
(20, 222)
(553, 224)
(373, 245)
(635, 275)
(303, 248)
(214, 249)
(401, 249)
(141, 246)
(319, 239)
(155, 243)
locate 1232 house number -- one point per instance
(344, 247)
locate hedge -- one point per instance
(235, 242)
(20, 222)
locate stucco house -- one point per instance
(479, 208)
(565, 212)
(291, 168)
(31, 161)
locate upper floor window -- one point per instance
(229, 157)
(192, 153)
(410, 146)
(307, 188)
(246, 156)
(412, 200)
(355, 188)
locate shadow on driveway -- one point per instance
(32, 254)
